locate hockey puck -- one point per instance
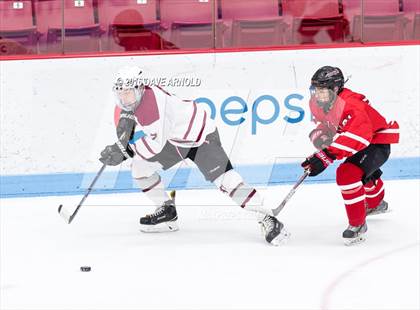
(85, 268)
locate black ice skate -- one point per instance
(355, 234)
(273, 230)
(162, 220)
(381, 208)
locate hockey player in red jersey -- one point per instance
(349, 127)
(158, 130)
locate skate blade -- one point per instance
(354, 241)
(162, 227)
(281, 238)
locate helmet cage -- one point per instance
(323, 96)
(330, 78)
(134, 84)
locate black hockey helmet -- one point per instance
(326, 84)
(328, 77)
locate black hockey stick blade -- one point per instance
(277, 210)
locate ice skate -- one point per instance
(273, 230)
(381, 208)
(355, 234)
(164, 219)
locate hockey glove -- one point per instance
(320, 139)
(126, 126)
(318, 162)
(115, 154)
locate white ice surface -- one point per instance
(218, 259)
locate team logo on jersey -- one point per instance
(345, 121)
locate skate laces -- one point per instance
(159, 211)
(268, 222)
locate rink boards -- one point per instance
(57, 114)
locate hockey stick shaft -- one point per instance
(69, 218)
(277, 210)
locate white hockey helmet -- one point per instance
(128, 88)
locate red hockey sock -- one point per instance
(349, 179)
(375, 192)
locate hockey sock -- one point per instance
(349, 180)
(375, 192)
(154, 189)
(232, 184)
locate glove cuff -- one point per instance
(329, 154)
(123, 149)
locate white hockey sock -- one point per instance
(154, 189)
(242, 194)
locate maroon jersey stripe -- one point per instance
(148, 146)
(202, 128)
(138, 153)
(191, 121)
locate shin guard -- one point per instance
(154, 189)
(375, 193)
(349, 180)
(232, 184)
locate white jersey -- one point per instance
(162, 117)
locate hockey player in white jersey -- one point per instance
(158, 130)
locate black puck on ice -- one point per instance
(85, 268)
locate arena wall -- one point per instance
(57, 114)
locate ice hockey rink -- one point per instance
(217, 260)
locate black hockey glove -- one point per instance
(115, 154)
(321, 139)
(318, 162)
(126, 126)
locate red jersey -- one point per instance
(355, 123)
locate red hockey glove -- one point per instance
(320, 139)
(318, 162)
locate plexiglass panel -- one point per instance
(104, 26)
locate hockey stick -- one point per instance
(277, 210)
(65, 213)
